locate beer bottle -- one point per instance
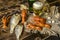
(37, 8)
(30, 2)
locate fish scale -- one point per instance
(18, 31)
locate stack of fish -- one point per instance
(16, 24)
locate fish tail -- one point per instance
(18, 38)
(11, 30)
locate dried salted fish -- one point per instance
(56, 28)
(52, 10)
(14, 21)
(48, 33)
(18, 31)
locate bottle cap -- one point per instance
(37, 5)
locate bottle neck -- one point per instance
(31, 5)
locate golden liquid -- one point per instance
(37, 12)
